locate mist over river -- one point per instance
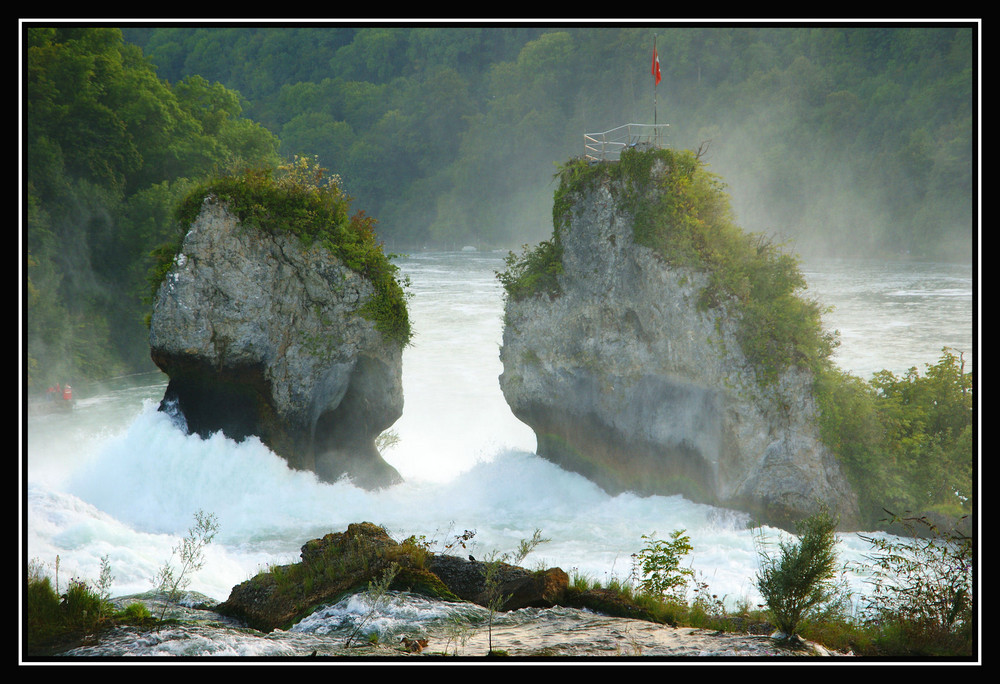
(116, 478)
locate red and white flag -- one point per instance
(656, 67)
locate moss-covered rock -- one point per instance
(342, 563)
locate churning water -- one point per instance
(116, 478)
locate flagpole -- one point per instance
(656, 80)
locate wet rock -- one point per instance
(520, 588)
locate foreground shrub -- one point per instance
(922, 591)
(52, 620)
(493, 577)
(42, 611)
(799, 578)
(170, 581)
(660, 565)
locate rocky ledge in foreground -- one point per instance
(342, 563)
(261, 335)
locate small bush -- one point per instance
(83, 606)
(51, 619)
(659, 568)
(170, 581)
(534, 272)
(798, 579)
(42, 610)
(135, 612)
(921, 601)
(492, 575)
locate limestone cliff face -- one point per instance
(626, 380)
(261, 336)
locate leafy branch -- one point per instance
(493, 566)
(190, 551)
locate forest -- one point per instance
(837, 140)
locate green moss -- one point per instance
(299, 199)
(681, 211)
(335, 566)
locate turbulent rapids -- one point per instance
(116, 478)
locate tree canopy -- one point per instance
(110, 148)
(847, 139)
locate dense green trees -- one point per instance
(905, 442)
(857, 139)
(109, 147)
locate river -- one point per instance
(116, 479)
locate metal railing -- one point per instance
(608, 146)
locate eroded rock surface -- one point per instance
(262, 336)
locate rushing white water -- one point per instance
(116, 478)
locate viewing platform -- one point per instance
(608, 146)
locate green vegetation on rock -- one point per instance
(681, 211)
(300, 199)
(534, 271)
(332, 567)
(904, 443)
